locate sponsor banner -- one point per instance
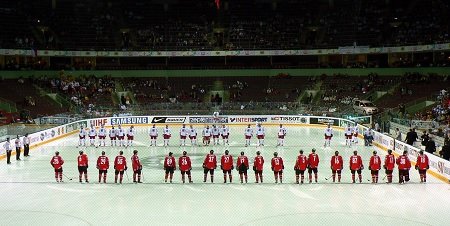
(243, 119)
(208, 120)
(324, 121)
(168, 119)
(129, 120)
(421, 124)
(290, 119)
(344, 123)
(98, 122)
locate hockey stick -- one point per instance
(384, 177)
(329, 177)
(128, 179)
(66, 176)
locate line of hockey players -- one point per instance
(214, 133)
(303, 163)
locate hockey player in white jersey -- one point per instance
(130, 136)
(281, 135)
(82, 137)
(113, 136)
(348, 131)
(248, 133)
(193, 135)
(215, 134)
(206, 133)
(328, 135)
(101, 135)
(153, 133)
(355, 132)
(260, 134)
(92, 135)
(225, 132)
(166, 135)
(183, 134)
(121, 135)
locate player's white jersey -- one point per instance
(120, 132)
(206, 132)
(348, 131)
(130, 132)
(82, 133)
(355, 130)
(215, 131)
(153, 132)
(112, 133)
(184, 131)
(225, 131)
(192, 132)
(282, 131)
(92, 132)
(166, 131)
(248, 132)
(102, 132)
(260, 131)
(329, 131)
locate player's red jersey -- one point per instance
(301, 163)
(184, 163)
(82, 160)
(258, 163)
(57, 162)
(403, 162)
(136, 162)
(241, 160)
(337, 163)
(169, 162)
(277, 164)
(375, 162)
(120, 163)
(313, 160)
(389, 162)
(422, 162)
(103, 162)
(355, 162)
(210, 161)
(226, 162)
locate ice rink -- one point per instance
(30, 195)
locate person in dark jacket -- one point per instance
(431, 146)
(445, 152)
(411, 137)
(424, 138)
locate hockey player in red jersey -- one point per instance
(102, 166)
(374, 166)
(57, 163)
(242, 167)
(83, 166)
(422, 165)
(337, 164)
(184, 163)
(403, 167)
(169, 167)
(209, 165)
(313, 163)
(356, 165)
(389, 165)
(277, 167)
(137, 167)
(120, 166)
(300, 166)
(258, 165)
(226, 164)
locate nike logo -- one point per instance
(158, 120)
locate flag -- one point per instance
(217, 3)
